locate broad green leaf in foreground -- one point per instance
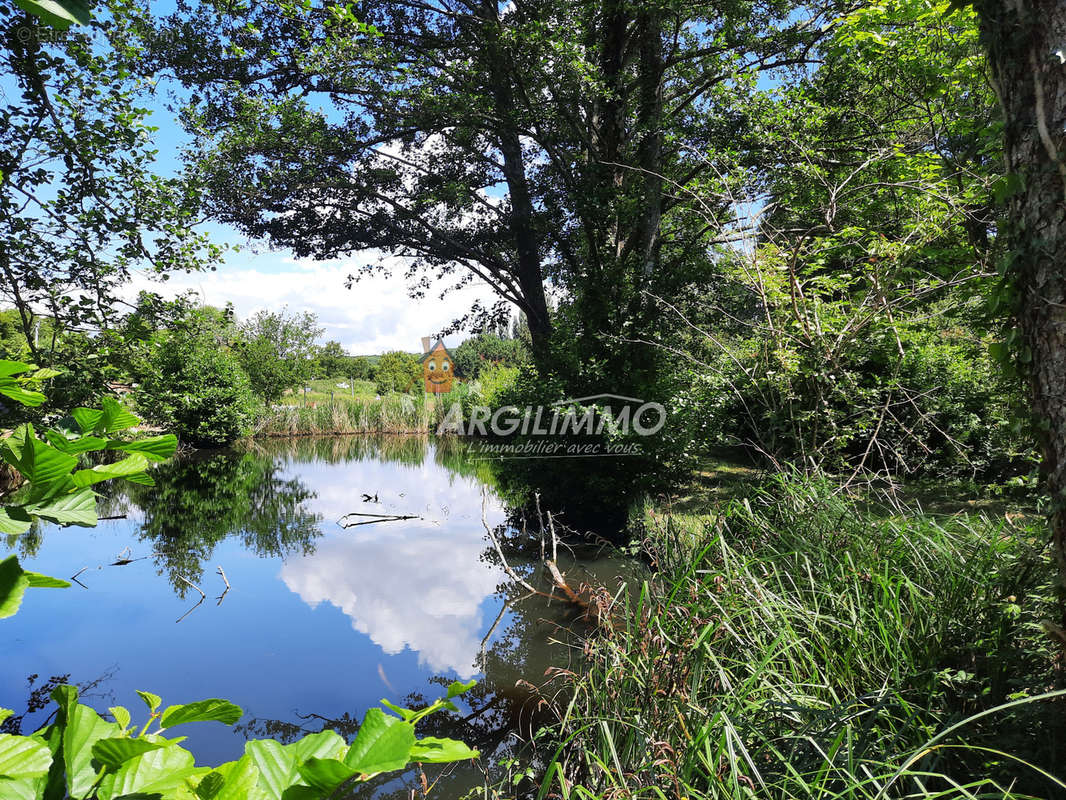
(131, 465)
(211, 710)
(383, 743)
(13, 585)
(23, 757)
(75, 508)
(112, 752)
(14, 520)
(39, 581)
(154, 448)
(59, 14)
(161, 772)
(326, 774)
(431, 750)
(84, 728)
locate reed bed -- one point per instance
(791, 646)
(394, 413)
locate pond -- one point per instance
(322, 617)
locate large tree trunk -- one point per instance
(1026, 43)
(528, 270)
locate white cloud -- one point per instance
(415, 584)
(374, 316)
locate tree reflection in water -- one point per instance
(199, 500)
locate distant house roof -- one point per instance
(434, 350)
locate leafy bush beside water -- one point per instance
(82, 756)
(794, 646)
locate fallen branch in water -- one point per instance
(74, 577)
(225, 580)
(198, 603)
(557, 577)
(503, 559)
(373, 519)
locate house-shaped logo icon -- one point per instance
(438, 367)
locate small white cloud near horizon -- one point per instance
(375, 316)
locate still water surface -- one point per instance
(320, 622)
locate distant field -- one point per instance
(337, 389)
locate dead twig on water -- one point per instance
(74, 577)
(225, 580)
(374, 518)
(503, 559)
(198, 603)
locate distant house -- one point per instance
(438, 367)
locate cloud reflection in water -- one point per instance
(416, 584)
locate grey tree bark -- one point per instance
(1026, 44)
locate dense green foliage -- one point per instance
(83, 756)
(192, 382)
(487, 349)
(334, 362)
(397, 371)
(80, 205)
(277, 351)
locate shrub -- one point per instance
(398, 372)
(486, 350)
(198, 390)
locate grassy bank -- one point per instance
(792, 645)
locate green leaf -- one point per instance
(39, 581)
(383, 744)
(122, 716)
(209, 785)
(66, 698)
(211, 710)
(150, 700)
(75, 508)
(456, 688)
(154, 448)
(14, 520)
(87, 418)
(325, 744)
(326, 774)
(160, 771)
(83, 729)
(5, 713)
(277, 767)
(13, 584)
(405, 713)
(131, 465)
(23, 757)
(22, 789)
(80, 444)
(16, 392)
(9, 368)
(41, 464)
(59, 14)
(44, 373)
(116, 417)
(242, 781)
(113, 752)
(431, 750)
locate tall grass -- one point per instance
(392, 413)
(791, 646)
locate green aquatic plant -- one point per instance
(52, 484)
(81, 755)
